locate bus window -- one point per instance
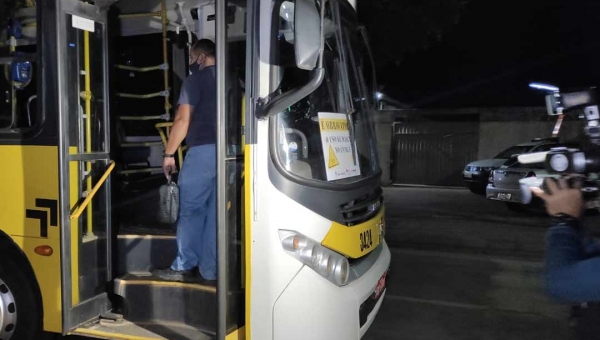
(19, 72)
(304, 149)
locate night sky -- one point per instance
(486, 58)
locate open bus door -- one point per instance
(233, 21)
(84, 162)
(85, 167)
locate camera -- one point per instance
(582, 164)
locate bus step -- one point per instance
(150, 330)
(138, 251)
(147, 298)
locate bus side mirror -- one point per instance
(307, 38)
(307, 34)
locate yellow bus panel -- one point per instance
(29, 210)
(358, 240)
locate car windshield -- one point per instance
(514, 150)
(328, 135)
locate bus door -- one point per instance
(232, 24)
(84, 162)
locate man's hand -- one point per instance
(168, 166)
(562, 199)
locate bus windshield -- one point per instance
(328, 135)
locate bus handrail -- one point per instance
(143, 96)
(92, 193)
(142, 69)
(140, 15)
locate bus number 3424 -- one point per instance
(366, 240)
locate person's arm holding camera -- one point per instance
(571, 274)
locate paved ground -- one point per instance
(464, 267)
(457, 220)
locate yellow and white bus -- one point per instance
(87, 98)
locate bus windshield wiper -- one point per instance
(352, 135)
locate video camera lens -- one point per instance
(590, 191)
(572, 161)
(592, 132)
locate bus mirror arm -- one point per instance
(285, 100)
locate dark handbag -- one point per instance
(168, 208)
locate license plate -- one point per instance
(504, 197)
(468, 175)
(380, 287)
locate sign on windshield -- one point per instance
(341, 160)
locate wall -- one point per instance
(433, 152)
(501, 129)
(477, 133)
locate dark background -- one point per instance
(476, 53)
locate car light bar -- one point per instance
(535, 157)
(327, 263)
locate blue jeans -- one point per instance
(197, 225)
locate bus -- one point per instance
(88, 97)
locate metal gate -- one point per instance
(433, 153)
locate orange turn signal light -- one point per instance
(44, 250)
(296, 242)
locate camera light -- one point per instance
(546, 87)
(559, 162)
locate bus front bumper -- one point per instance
(311, 307)
(365, 290)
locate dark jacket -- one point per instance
(573, 275)
(572, 263)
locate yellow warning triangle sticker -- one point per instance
(333, 161)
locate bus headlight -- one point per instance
(342, 271)
(327, 263)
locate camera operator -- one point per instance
(572, 257)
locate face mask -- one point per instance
(194, 68)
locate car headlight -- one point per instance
(327, 263)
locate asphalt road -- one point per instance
(463, 267)
(457, 220)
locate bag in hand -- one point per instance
(169, 202)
